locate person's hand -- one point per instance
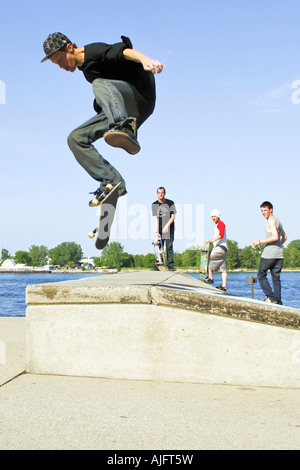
(152, 65)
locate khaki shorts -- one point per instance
(217, 260)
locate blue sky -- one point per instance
(224, 134)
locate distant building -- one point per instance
(89, 261)
(8, 264)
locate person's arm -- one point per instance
(155, 223)
(283, 237)
(274, 234)
(150, 65)
(217, 237)
(167, 226)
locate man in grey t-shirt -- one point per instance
(272, 255)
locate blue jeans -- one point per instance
(118, 100)
(275, 267)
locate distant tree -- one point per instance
(149, 260)
(38, 255)
(4, 254)
(112, 255)
(139, 261)
(177, 259)
(66, 252)
(127, 260)
(249, 257)
(97, 261)
(190, 258)
(23, 257)
(292, 254)
(232, 259)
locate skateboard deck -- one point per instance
(159, 253)
(203, 261)
(107, 213)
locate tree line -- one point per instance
(70, 253)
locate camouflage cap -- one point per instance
(53, 43)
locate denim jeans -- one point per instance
(168, 241)
(118, 100)
(275, 267)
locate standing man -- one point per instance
(217, 256)
(272, 255)
(163, 212)
(124, 90)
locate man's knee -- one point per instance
(261, 274)
(73, 139)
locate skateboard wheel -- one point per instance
(95, 202)
(109, 186)
(91, 234)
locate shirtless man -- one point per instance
(272, 255)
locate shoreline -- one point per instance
(113, 271)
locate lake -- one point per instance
(13, 287)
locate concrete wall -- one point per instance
(130, 335)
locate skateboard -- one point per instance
(204, 261)
(107, 201)
(159, 253)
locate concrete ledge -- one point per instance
(160, 326)
(163, 289)
(12, 347)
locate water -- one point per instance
(13, 286)
(236, 285)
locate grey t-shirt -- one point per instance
(274, 250)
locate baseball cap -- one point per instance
(53, 43)
(215, 213)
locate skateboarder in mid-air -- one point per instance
(124, 90)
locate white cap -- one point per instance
(215, 213)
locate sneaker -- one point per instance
(155, 268)
(124, 137)
(222, 288)
(122, 192)
(100, 194)
(267, 299)
(208, 280)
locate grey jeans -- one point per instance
(118, 101)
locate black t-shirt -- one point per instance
(107, 61)
(164, 211)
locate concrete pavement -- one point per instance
(39, 412)
(55, 412)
